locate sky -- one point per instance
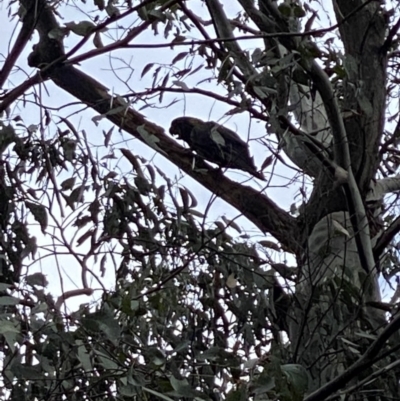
(121, 72)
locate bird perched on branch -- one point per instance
(215, 143)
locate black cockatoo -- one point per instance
(215, 143)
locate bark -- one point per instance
(329, 318)
(48, 55)
(330, 323)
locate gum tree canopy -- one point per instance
(186, 306)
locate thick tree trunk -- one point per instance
(330, 324)
(331, 321)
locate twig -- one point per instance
(363, 363)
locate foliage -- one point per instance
(186, 305)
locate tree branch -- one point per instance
(224, 30)
(223, 99)
(386, 238)
(367, 380)
(15, 93)
(22, 39)
(343, 158)
(367, 360)
(258, 208)
(255, 206)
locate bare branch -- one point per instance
(390, 37)
(23, 37)
(386, 238)
(72, 293)
(14, 94)
(210, 94)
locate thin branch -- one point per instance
(20, 43)
(367, 380)
(72, 293)
(100, 27)
(395, 136)
(218, 51)
(358, 367)
(261, 116)
(224, 30)
(386, 238)
(390, 38)
(124, 43)
(17, 92)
